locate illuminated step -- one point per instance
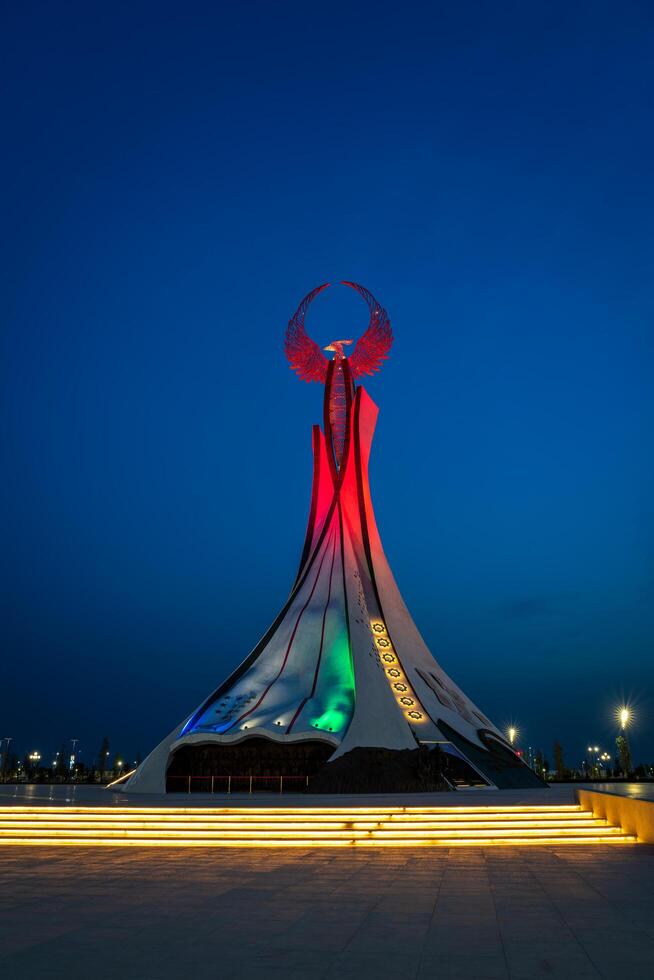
(267, 824)
(255, 815)
(306, 830)
(225, 825)
(295, 811)
(517, 841)
(285, 812)
(49, 813)
(296, 834)
(238, 824)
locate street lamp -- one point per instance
(594, 750)
(512, 733)
(35, 758)
(625, 716)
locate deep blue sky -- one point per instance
(174, 178)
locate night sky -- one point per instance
(174, 178)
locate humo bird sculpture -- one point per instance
(338, 375)
(371, 349)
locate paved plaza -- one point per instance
(519, 913)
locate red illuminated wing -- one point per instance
(373, 347)
(305, 356)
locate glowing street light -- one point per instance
(624, 716)
(512, 734)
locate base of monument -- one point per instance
(258, 763)
(374, 770)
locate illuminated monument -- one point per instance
(343, 666)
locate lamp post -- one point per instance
(594, 750)
(35, 758)
(625, 717)
(73, 758)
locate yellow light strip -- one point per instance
(295, 833)
(314, 843)
(121, 779)
(475, 821)
(546, 808)
(405, 697)
(581, 826)
(254, 814)
(287, 808)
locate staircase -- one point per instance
(308, 827)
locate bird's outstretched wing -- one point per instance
(304, 354)
(373, 346)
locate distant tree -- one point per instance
(62, 764)
(559, 763)
(27, 766)
(5, 760)
(540, 763)
(625, 754)
(103, 758)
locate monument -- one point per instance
(343, 666)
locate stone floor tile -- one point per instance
(463, 967)
(374, 966)
(527, 961)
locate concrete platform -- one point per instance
(81, 795)
(496, 914)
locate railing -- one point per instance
(235, 784)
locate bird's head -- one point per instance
(337, 347)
